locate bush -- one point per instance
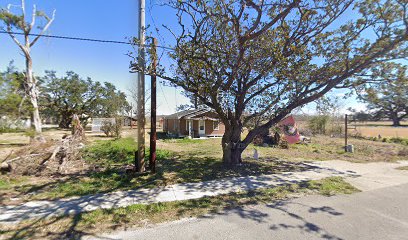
(107, 128)
(118, 127)
(112, 129)
(403, 141)
(318, 124)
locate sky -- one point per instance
(106, 20)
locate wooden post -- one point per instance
(152, 158)
(345, 132)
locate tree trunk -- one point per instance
(232, 147)
(396, 122)
(32, 92)
(65, 122)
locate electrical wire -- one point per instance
(82, 39)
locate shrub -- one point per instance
(118, 127)
(318, 124)
(403, 141)
(107, 128)
(112, 129)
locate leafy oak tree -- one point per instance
(387, 93)
(62, 97)
(249, 59)
(13, 22)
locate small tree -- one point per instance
(18, 21)
(387, 94)
(262, 59)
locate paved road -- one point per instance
(375, 214)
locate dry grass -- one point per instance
(321, 148)
(384, 131)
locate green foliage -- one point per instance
(12, 94)
(10, 19)
(255, 63)
(71, 94)
(399, 140)
(387, 97)
(318, 124)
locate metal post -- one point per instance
(152, 159)
(141, 91)
(345, 132)
(131, 115)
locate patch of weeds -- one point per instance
(402, 168)
(118, 151)
(399, 140)
(7, 182)
(111, 151)
(331, 186)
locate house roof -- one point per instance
(187, 114)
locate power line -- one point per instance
(82, 39)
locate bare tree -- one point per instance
(133, 94)
(248, 59)
(18, 21)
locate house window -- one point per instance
(216, 125)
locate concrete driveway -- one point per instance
(374, 214)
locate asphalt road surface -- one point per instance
(376, 214)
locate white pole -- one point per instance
(141, 91)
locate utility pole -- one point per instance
(141, 92)
(152, 159)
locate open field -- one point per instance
(371, 128)
(384, 131)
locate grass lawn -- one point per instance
(185, 160)
(139, 215)
(111, 155)
(403, 168)
(321, 148)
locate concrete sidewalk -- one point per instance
(364, 176)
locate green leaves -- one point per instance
(71, 94)
(11, 20)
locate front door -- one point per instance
(201, 127)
